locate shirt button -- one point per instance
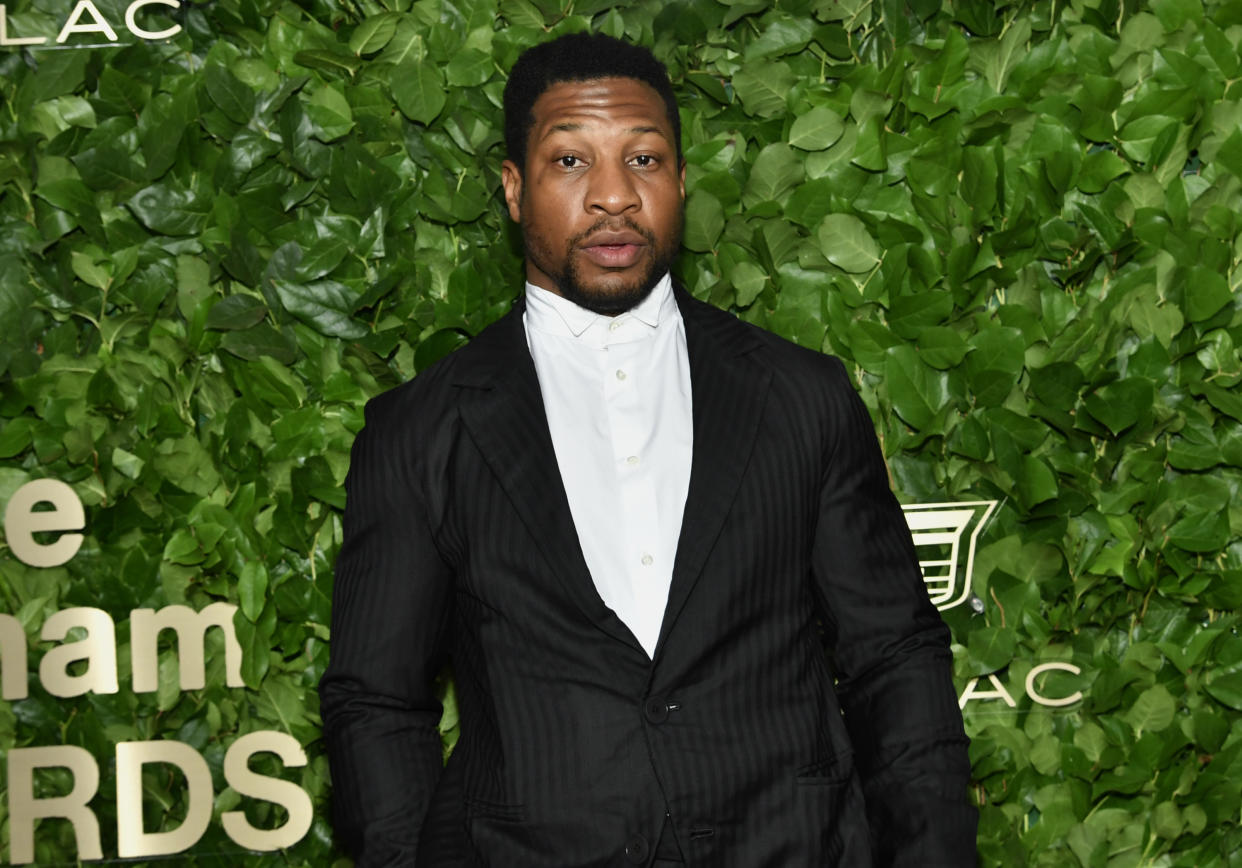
(620, 375)
(636, 849)
(614, 325)
(655, 710)
(632, 460)
(647, 560)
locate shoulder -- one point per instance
(787, 361)
(431, 396)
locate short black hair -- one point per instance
(577, 57)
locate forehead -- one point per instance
(598, 103)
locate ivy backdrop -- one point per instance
(1017, 222)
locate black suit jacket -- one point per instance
(794, 568)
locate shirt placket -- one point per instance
(629, 408)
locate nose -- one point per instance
(612, 189)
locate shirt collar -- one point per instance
(549, 312)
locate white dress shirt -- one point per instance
(616, 391)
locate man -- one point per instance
(632, 522)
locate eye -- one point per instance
(644, 160)
(568, 161)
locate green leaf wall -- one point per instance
(1017, 222)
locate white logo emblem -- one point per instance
(938, 529)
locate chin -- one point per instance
(605, 299)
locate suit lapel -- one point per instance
(503, 408)
(728, 392)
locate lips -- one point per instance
(614, 249)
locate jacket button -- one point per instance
(655, 710)
(636, 849)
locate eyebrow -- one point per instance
(570, 127)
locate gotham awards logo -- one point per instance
(945, 535)
(86, 19)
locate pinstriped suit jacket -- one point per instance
(799, 709)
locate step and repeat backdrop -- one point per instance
(225, 224)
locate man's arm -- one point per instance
(891, 652)
(390, 610)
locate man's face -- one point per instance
(600, 198)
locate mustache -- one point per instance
(610, 224)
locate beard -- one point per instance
(611, 298)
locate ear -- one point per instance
(682, 179)
(511, 180)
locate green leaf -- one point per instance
(68, 194)
(168, 687)
(236, 312)
(1225, 400)
(374, 33)
(912, 315)
(810, 202)
(162, 127)
(1152, 319)
(59, 72)
(88, 271)
(252, 589)
(1225, 686)
(232, 97)
(521, 13)
(15, 436)
(183, 548)
(704, 222)
(280, 701)
(869, 148)
(1000, 57)
(917, 392)
(418, 89)
(844, 240)
(1036, 482)
(774, 173)
(817, 129)
(1152, 711)
(1046, 755)
(994, 364)
(1201, 531)
(1210, 729)
(257, 341)
(979, 180)
(170, 210)
(763, 86)
(1057, 384)
(1100, 168)
(969, 439)
(469, 68)
(273, 384)
(991, 648)
(784, 35)
(749, 280)
(1166, 820)
(1206, 293)
(323, 304)
(1121, 404)
(184, 462)
(329, 61)
(255, 640)
(127, 463)
(1224, 53)
(329, 111)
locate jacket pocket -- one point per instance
(833, 771)
(482, 809)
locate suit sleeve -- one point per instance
(891, 651)
(390, 611)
